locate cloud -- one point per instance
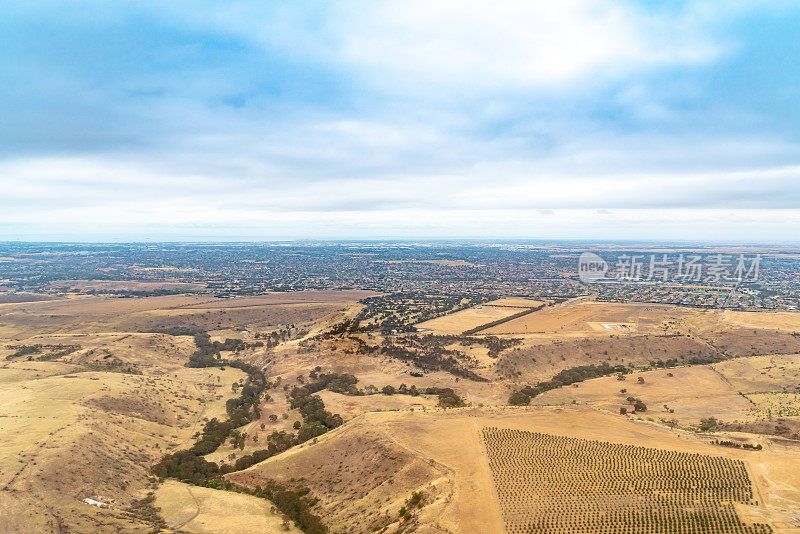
(497, 45)
(382, 117)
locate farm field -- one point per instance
(461, 321)
(555, 484)
(452, 442)
(593, 319)
(516, 302)
(84, 384)
(92, 314)
(782, 321)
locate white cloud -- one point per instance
(497, 43)
(66, 191)
(415, 117)
(474, 44)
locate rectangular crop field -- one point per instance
(516, 302)
(458, 322)
(562, 485)
(593, 319)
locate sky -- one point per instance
(257, 120)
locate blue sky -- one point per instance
(586, 119)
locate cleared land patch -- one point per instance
(205, 510)
(686, 394)
(761, 374)
(586, 319)
(516, 302)
(783, 321)
(349, 406)
(456, 323)
(556, 484)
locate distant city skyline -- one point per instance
(584, 119)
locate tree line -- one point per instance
(188, 465)
(345, 384)
(566, 377)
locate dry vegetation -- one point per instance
(685, 394)
(88, 407)
(77, 434)
(456, 323)
(593, 319)
(204, 510)
(516, 302)
(92, 314)
(94, 391)
(544, 359)
(361, 477)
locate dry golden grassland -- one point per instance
(770, 383)
(466, 500)
(593, 319)
(73, 434)
(91, 423)
(746, 333)
(91, 314)
(460, 321)
(282, 299)
(541, 359)
(738, 391)
(775, 404)
(762, 374)
(752, 342)
(690, 394)
(208, 511)
(764, 320)
(123, 285)
(516, 302)
(362, 478)
(228, 318)
(348, 406)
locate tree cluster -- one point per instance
(56, 351)
(294, 502)
(430, 358)
(735, 445)
(566, 377)
(189, 465)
